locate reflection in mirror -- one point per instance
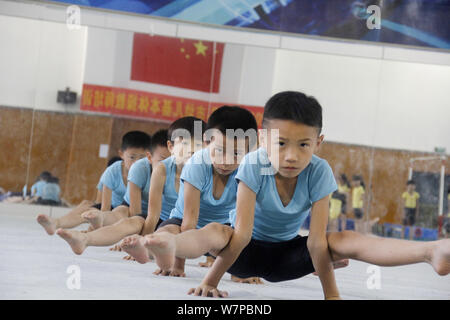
(374, 122)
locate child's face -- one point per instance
(226, 153)
(411, 187)
(183, 149)
(159, 154)
(291, 150)
(131, 155)
(356, 183)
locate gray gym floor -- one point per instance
(34, 265)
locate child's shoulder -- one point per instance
(161, 168)
(200, 157)
(141, 163)
(318, 164)
(116, 166)
(168, 160)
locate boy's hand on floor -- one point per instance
(172, 273)
(130, 258)
(205, 290)
(160, 272)
(116, 248)
(177, 273)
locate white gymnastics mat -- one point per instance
(34, 265)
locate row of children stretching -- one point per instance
(235, 193)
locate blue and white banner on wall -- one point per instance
(423, 23)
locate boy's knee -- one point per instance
(221, 229)
(334, 238)
(171, 228)
(124, 221)
(86, 203)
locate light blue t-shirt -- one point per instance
(170, 195)
(140, 174)
(273, 221)
(51, 191)
(112, 178)
(198, 171)
(38, 188)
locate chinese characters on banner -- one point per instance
(142, 104)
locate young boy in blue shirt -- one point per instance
(50, 192)
(135, 200)
(208, 187)
(279, 185)
(134, 146)
(163, 191)
(38, 187)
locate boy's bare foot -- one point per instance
(337, 264)
(208, 263)
(95, 218)
(162, 246)
(440, 257)
(134, 246)
(48, 223)
(251, 280)
(76, 239)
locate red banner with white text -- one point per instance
(154, 106)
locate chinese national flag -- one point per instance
(189, 64)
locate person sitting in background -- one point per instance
(38, 187)
(50, 193)
(111, 187)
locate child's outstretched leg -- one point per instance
(190, 244)
(72, 219)
(389, 252)
(99, 219)
(134, 246)
(105, 236)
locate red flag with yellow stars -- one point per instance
(183, 63)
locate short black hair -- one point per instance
(360, 179)
(295, 106)
(45, 175)
(53, 179)
(136, 139)
(159, 138)
(410, 182)
(231, 117)
(345, 179)
(187, 123)
(112, 160)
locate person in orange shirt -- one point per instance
(410, 207)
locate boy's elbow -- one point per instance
(317, 244)
(242, 239)
(187, 226)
